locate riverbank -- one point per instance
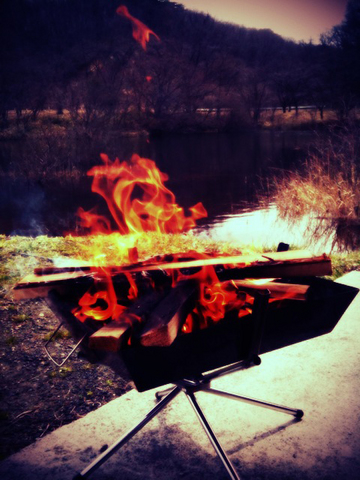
(203, 120)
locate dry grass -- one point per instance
(302, 119)
(319, 191)
(326, 188)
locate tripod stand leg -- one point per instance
(260, 403)
(123, 440)
(162, 393)
(212, 437)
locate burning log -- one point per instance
(116, 334)
(161, 314)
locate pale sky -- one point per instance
(295, 19)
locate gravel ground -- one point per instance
(37, 397)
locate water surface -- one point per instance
(226, 172)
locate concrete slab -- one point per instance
(320, 376)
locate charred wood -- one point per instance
(116, 334)
(166, 320)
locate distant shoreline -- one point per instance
(216, 121)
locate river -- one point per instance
(226, 172)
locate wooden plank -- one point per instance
(113, 336)
(238, 261)
(295, 263)
(116, 334)
(277, 290)
(302, 268)
(34, 286)
(166, 320)
(69, 269)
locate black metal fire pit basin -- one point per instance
(228, 341)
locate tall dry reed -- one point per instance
(326, 187)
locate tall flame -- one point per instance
(138, 202)
(137, 199)
(140, 31)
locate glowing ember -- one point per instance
(140, 31)
(105, 295)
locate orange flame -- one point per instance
(89, 303)
(215, 299)
(140, 31)
(101, 302)
(138, 202)
(137, 199)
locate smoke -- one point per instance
(30, 207)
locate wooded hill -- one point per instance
(79, 55)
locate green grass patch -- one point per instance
(20, 255)
(59, 335)
(20, 318)
(4, 279)
(345, 262)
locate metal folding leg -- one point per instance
(123, 440)
(260, 403)
(190, 387)
(212, 437)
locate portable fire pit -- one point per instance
(157, 339)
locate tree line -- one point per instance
(79, 56)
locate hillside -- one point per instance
(80, 55)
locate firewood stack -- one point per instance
(156, 317)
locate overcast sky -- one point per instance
(296, 19)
